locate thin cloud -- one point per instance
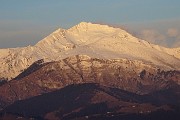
(151, 35)
(176, 44)
(172, 32)
(171, 38)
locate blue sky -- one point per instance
(26, 22)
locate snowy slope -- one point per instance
(94, 40)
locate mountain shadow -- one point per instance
(92, 101)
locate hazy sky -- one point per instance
(24, 22)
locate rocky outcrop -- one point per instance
(132, 76)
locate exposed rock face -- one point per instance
(133, 76)
(117, 73)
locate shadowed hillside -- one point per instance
(92, 101)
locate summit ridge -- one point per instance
(94, 40)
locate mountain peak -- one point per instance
(88, 26)
(59, 30)
(92, 24)
(94, 40)
(84, 23)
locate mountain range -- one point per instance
(94, 40)
(90, 71)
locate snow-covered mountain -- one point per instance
(94, 40)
